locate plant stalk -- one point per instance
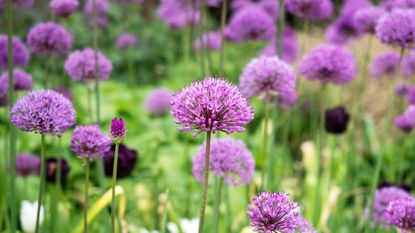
(265, 141)
(222, 36)
(114, 181)
(205, 182)
(87, 165)
(42, 182)
(218, 197)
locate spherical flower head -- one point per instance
(401, 214)
(402, 123)
(178, 13)
(211, 41)
(27, 164)
(402, 90)
(63, 8)
(22, 80)
(274, 212)
(336, 120)
(343, 30)
(4, 91)
(20, 53)
(250, 23)
(229, 159)
(397, 28)
(89, 142)
(408, 65)
(80, 66)
(409, 114)
(126, 161)
(390, 5)
(65, 92)
(52, 164)
(102, 7)
(410, 95)
(45, 111)
(211, 105)
(127, 40)
(118, 130)
(270, 6)
(367, 18)
(158, 101)
(385, 65)
(290, 45)
(329, 64)
(49, 39)
(314, 10)
(268, 77)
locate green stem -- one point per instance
(114, 181)
(205, 182)
(228, 212)
(164, 215)
(272, 160)
(131, 71)
(42, 182)
(87, 163)
(218, 197)
(222, 36)
(89, 96)
(265, 141)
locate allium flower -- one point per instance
(80, 66)
(126, 161)
(46, 112)
(336, 120)
(290, 46)
(403, 89)
(63, 8)
(28, 213)
(250, 23)
(305, 227)
(268, 77)
(52, 170)
(315, 10)
(178, 13)
(211, 105)
(274, 212)
(229, 159)
(385, 65)
(4, 91)
(211, 40)
(408, 65)
(20, 53)
(158, 101)
(343, 30)
(401, 214)
(89, 142)
(329, 63)
(270, 6)
(410, 95)
(118, 130)
(410, 115)
(397, 28)
(367, 18)
(22, 80)
(65, 92)
(102, 8)
(27, 164)
(127, 40)
(49, 39)
(389, 5)
(402, 123)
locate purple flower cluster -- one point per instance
(274, 212)
(406, 121)
(211, 40)
(158, 101)
(401, 214)
(118, 130)
(63, 8)
(20, 53)
(269, 6)
(102, 8)
(22, 80)
(268, 77)
(89, 142)
(390, 5)
(367, 18)
(127, 40)
(211, 105)
(402, 123)
(329, 64)
(80, 65)
(385, 65)
(178, 13)
(49, 39)
(45, 111)
(27, 164)
(126, 161)
(397, 28)
(229, 159)
(408, 65)
(314, 10)
(290, 46)
(65, 92)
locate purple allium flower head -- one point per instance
(22, 80)
(408, 65)
(350, 7)
(315, 10)
(269, 76)
(52, 164)
(403, 89)
(65, 92)
(127, 40)
(250, 23)
(178, 13)
(102, 7)
(118, 130)
(304, 227)
(397, 28)
(401, 214)
(270, 6)
(409, 114)
(27, 164)
(20, 53)
(274, 212)
(89, 142)
(229, 159)
(367, 18)
(126, 161)
(402, 123)
(329, 64)
(290, 46)
(211, 105)
(211, 40)
(336, 120)
(80, 65)
(45, 111)
(49, 39)
(343, 30)
(158, 101)
(410, 95)
(63, 8)
(389, 5)
(4, 91)
(385, 65)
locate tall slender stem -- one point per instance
(42, 182)
(205, 182)
(218, 197)
(89, 96)
(222, 36)
(87, 163)
(114, 181)
(265, 141)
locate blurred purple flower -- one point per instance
(4, 91)
(178, 13)
(269, 6)
(389, 5)
(89, 142)
(409, 114)
(127, 40)
(402, 123)
(126, 161)
(336, 120)
(102, 8)
(401, 214)
(384, 65)
(290, 46)
(20, 53)
(397, 28)
(27, 164)
(65, 92)
(314, 10)
(63, 8)
(408, 65)
(24, 4)
(158, 101)
(211, 40)
(367, 18)
(22, 80)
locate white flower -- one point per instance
(28, 213)
(143, 230)
(189, 226)
(172, 227)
